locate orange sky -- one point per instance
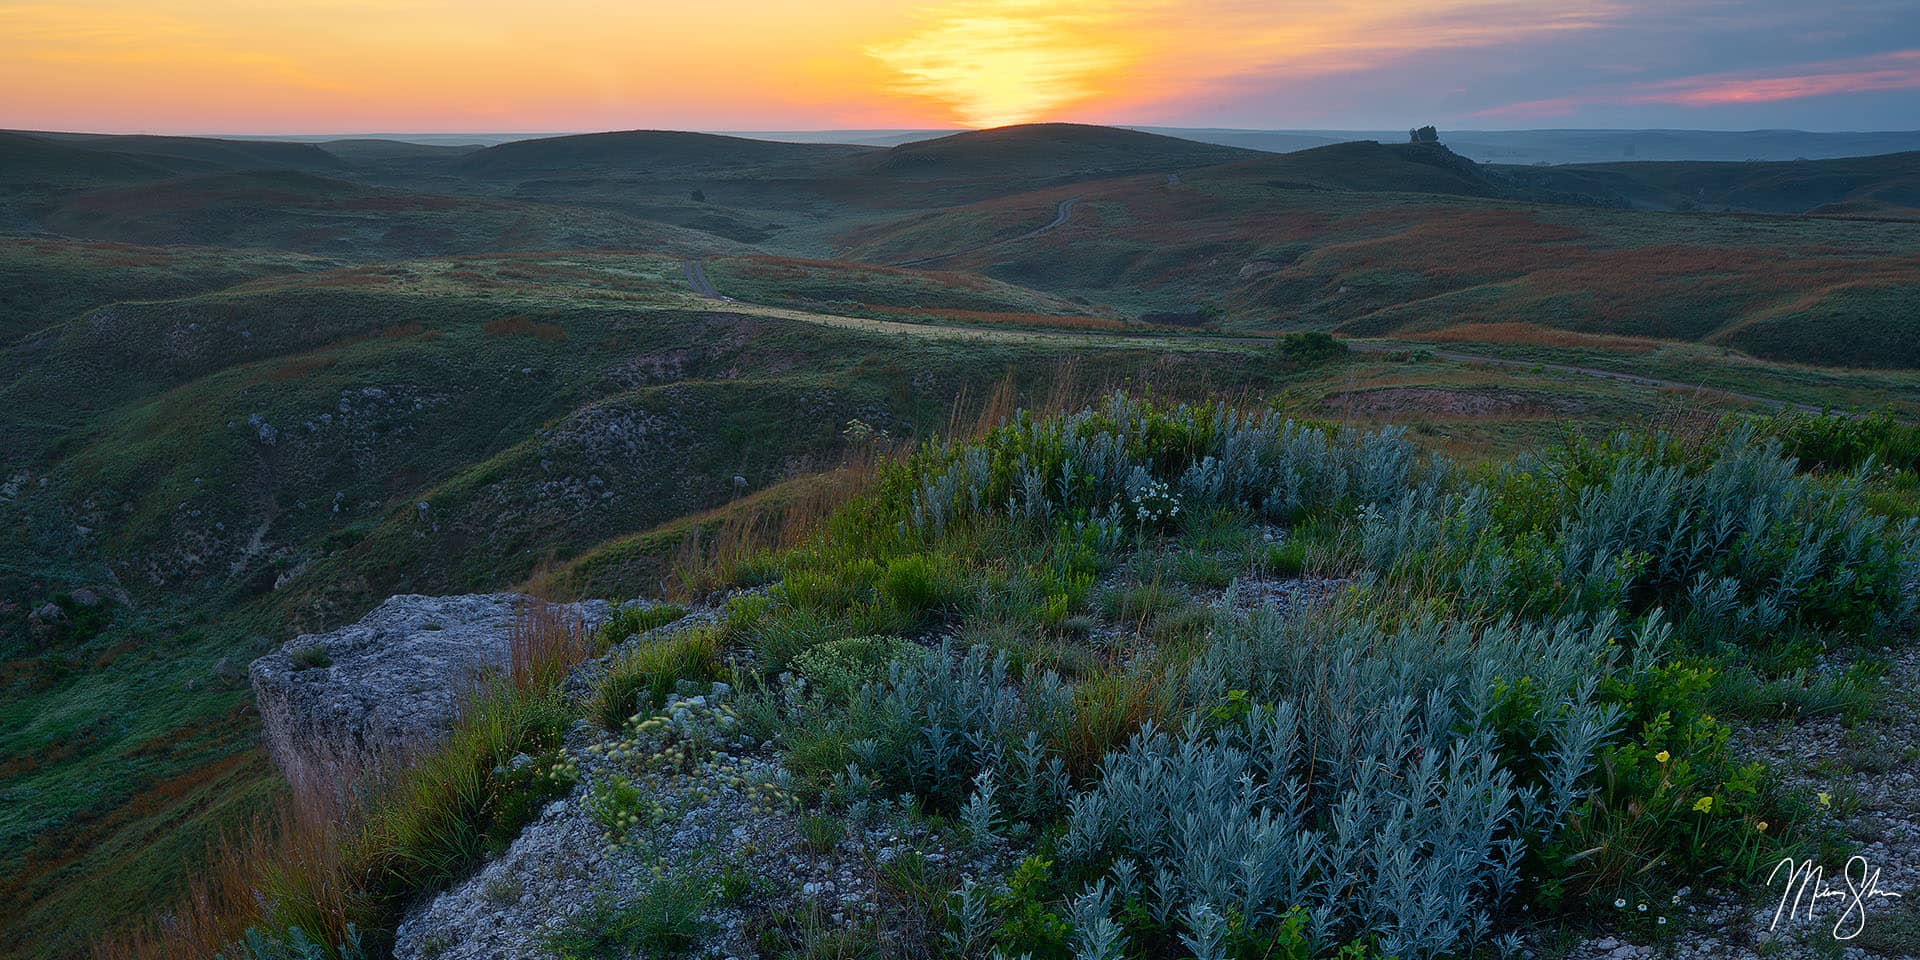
(322, 66)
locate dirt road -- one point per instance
(1060, 215)
(1633, 378)
(697, 279)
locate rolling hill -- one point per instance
(643, 152)
(1279, 244)
(231, 465)
(26, 159)
(1854, 185)
(1047, 151)
(242, 402)
(287, 210)
(217, 154)
(1591, 146)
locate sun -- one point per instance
(990, 63)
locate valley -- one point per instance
(254, 388)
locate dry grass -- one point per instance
(1110, 706)
(350, 828)
(544, 641)
(1534, 335)
(521, 325)
(714, 555)
(298, 846)
(1000, 317)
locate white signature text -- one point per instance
(1807, 886)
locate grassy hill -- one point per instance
(45, 282)
(1866, 185)
(1279, 243)
(1047, 151)
(1372, 167)
(242, 402)
(210, 153)
(27, 159)
(286, 210)
(643, 152)
(264, 471)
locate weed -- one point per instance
(649, 672)
(667, 919)
(821, 832)
(633, 619)
(311, 657)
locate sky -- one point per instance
(429, 66)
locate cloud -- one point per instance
(990, 62)
(1896, 70)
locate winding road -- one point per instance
(1632, 378)
(1060, 215)
(697, 279)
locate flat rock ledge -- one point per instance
(386, 686)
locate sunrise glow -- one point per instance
(447, 65)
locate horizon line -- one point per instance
(538, 134)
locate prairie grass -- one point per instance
(647, 673)
(343, 857)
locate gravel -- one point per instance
(1871, 775)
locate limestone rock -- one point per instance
(387, 685)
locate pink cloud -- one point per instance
(1898, 70)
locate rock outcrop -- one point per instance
(387, 685)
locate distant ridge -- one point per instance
(66, 157)
(212, 154)
(26, 158)
(1050, 149)
(649, 151)
(1372, 167)
(1556, 146)
(1589, 146)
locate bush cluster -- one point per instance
(1510, 706)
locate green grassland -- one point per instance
(1882, 185)
(1273, 253)
(253, 389)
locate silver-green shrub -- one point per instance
(1370, 786)
(1102, 461)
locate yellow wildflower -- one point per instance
(1663, 756)
(1703, 805)
(1826, 799)
(1761, 826)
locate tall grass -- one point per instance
(337, 857)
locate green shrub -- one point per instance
(920, 583)
(649, 672)
(1312, 348)
(295, 944)
(839, 668)
(619, 807)
(521, 787)
(311, 657)
(634, 619)
(1843, 443)
(1027, 927)
(1672, 802)
(666, 920)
